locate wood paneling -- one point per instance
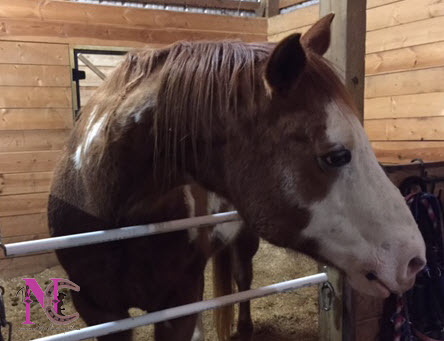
(91, 78)
(34, 97)
(408, 58)
(24, 183)
(27, 264)
(34, 75)
(405, 83)
(103, 60)
(33, 53)
(368, 330)
(406, 129)
(416, 105)
(32, 140)
(88, 14)
(403, 12)
(367, 307)
(414, 33)
(292, 20)
(81, 34)
(278, 37)
(38, 161)
(34, 119)
(24, 225)
(404, 152)
(376, 3)
(13, 205)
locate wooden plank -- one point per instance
(27, 265)
(35, 97)
(376, 3)
(12, 205)
(29, 119)
(404, 152)
(23, 183)
(368, 307)
(13, 52)
(271, 8)
(414, 33)
(278, 37)
(75, 33)
(292, 20)
(408, 58)
(103, 61)
(403, 12)
(24, 225)
(347, 53)
(86, 93)
(405, 83)
(406, 129)
(91, 78)
(348, 45)
(368, 330)
(224, 4)
(39, 161)
(288, 3)
(91, 66)
(32, 140)
(417, 105)
(35, 75)
(87, 14)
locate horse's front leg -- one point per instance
(181, 329)
(243, 249)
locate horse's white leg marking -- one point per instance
(199, 332)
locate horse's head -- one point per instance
(304, 174)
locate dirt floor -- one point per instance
(284, 317)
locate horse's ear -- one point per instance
(317, 38)
(285, 64)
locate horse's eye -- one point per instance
(336, 158)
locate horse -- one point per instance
(268, 127)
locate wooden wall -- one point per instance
(36, 101)
(36, 115)
(404, 90)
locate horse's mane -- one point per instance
(190, 91)
(199, 85)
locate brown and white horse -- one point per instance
(268, 127)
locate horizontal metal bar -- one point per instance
(184, 310)
(103, 236)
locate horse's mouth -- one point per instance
(383, 289)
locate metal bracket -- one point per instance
(78, 75)
(328, 294)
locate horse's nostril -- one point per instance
(415, 265)
(371, 276)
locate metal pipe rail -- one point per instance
(103, 236)
(184, 310)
